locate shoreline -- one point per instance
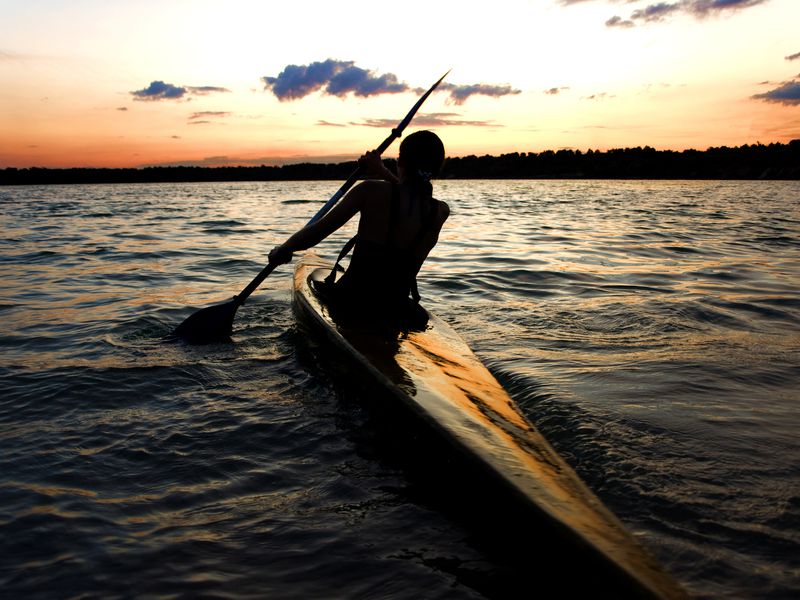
(749, 162)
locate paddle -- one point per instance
(214, 323)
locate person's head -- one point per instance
(421, 156)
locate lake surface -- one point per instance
(650, 330)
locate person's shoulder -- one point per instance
(365, 192)
(443, 209)
(374, 186)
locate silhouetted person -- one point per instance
(398, 226)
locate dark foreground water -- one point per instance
(651, 330)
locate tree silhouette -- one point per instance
(758, 161)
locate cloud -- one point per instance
(788, 93)
(208, 113)
(702, 8)
(660, 11)
(158, 90)
(205, 90)
(123, 108)
(460, 93)
(429, 120)
(332, 77)
(600, 96)
(555, 90)
(793, 56)
(655, 12)
(202, 118)
(421, 120)
(617, 21)
(340, 78)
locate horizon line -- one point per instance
(220, 162)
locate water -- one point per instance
(651, 331)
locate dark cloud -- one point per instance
(460, 93)
(655, 12)
(661, 10)
(158, 90)
(206, 89)
(333, 77)
(123, 108)
(617, 21)
(555, 90)
(702, 8)
(788, 93)
(208, 113)
(340, 78)
(202, 117)
(793, 56)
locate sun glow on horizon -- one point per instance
(87, 83)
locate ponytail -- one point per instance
(421, 182)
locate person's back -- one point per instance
(398, 228)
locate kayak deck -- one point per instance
(436, 375)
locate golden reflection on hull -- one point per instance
(436, 375)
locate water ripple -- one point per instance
(651, 330)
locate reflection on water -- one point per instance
(650, 330)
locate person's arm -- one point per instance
(313, 234)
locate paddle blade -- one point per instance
(208, 325)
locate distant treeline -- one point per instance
(773, 161)
(759, 161)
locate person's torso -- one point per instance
(395, 234)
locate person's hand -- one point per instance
(279, 256)
(372, 164)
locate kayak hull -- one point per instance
(435, 377)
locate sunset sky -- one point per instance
(147, 82)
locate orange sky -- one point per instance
(95, 83)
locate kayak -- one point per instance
(433, 375)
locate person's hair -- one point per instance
(422, 157)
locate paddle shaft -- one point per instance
(396, 133)
(265, 272)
